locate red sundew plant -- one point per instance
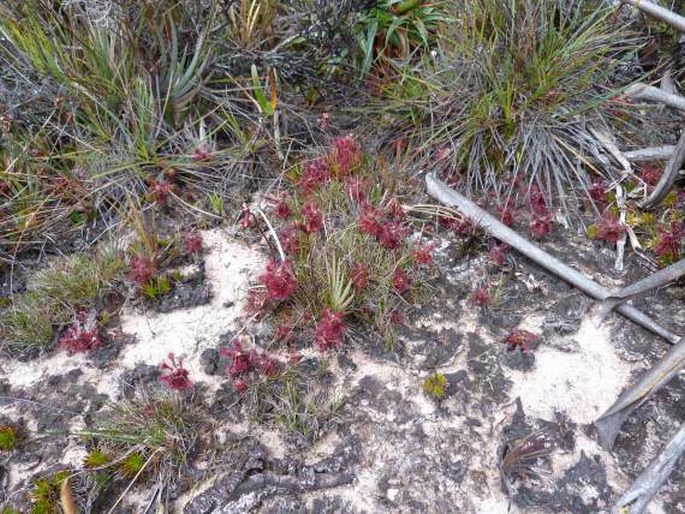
(346, 155)
(257, 302)
(497, 254)
(279, 280)
(668, 245)
(192, 243)
(650, 174)
(141, 269)
(174, 374)
(242, 361)
(329, 331)
(282, 209)
(598, 192)
(519, 338)
(356, 188)
(481, 296)
(315, 174)
(247, 217)
(290, 239)
(401, 281)
(424, 254)
(159, 191)
(609, 229)
(345, 239)
(312, 218)
(538, 202)
(359, 274)
(83, 334)
(540, 227)
(506, 217)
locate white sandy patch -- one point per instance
(582, 384)
(229, 267)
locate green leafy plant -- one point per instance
(45, 496)
(435, 386)
(396, 28)
(10, 437)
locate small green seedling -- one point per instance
(435, 386)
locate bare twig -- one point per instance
(444, 194)
(638, 495)
(653, 281)
(646, 92)
(674, 20)
(650, 154)
(669, 175)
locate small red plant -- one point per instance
(598, 192)
(481, 296)
(240, 385)
(538, 202)
(359, 274)
(356, 188)
(370, 220)
(257, 302)
(396, 318)
(282, 208)
(312, 218)
(82, 336)
(391, 235)
(141, 269)
(242, 361)
(192, 243)
(174, 374)
(315, 173)
(401, 281)
(279, 280)
(246, 218)
(346, 155)
(424, 254)
(609, 229)
(159, 191)
(329, 331)
(268, 365)
(669, 242)
(506, 217)
(497, 254)
(650, 174)
(290, 239)
(540, 227)
(519, 338)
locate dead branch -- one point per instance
(674, 20)
(448, 196)
(609, 423)
(655, 153)
(638, 495)
(653, 281)
(669, 175)
(646, 92)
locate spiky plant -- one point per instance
(516, 91)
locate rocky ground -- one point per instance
(513, 432)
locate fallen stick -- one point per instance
(669, 175)
(647, 92)
(638, 495)
(448, 196)
(674, 20)
(609, 423)
(658, 279)
(656, 153)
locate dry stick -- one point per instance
(444, 194)
(646, 92)
(638, 495)
(674, 20)
(658, 279)
(655, 153)
(609, 423)
(669, 175)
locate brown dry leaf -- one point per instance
(66, 498)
